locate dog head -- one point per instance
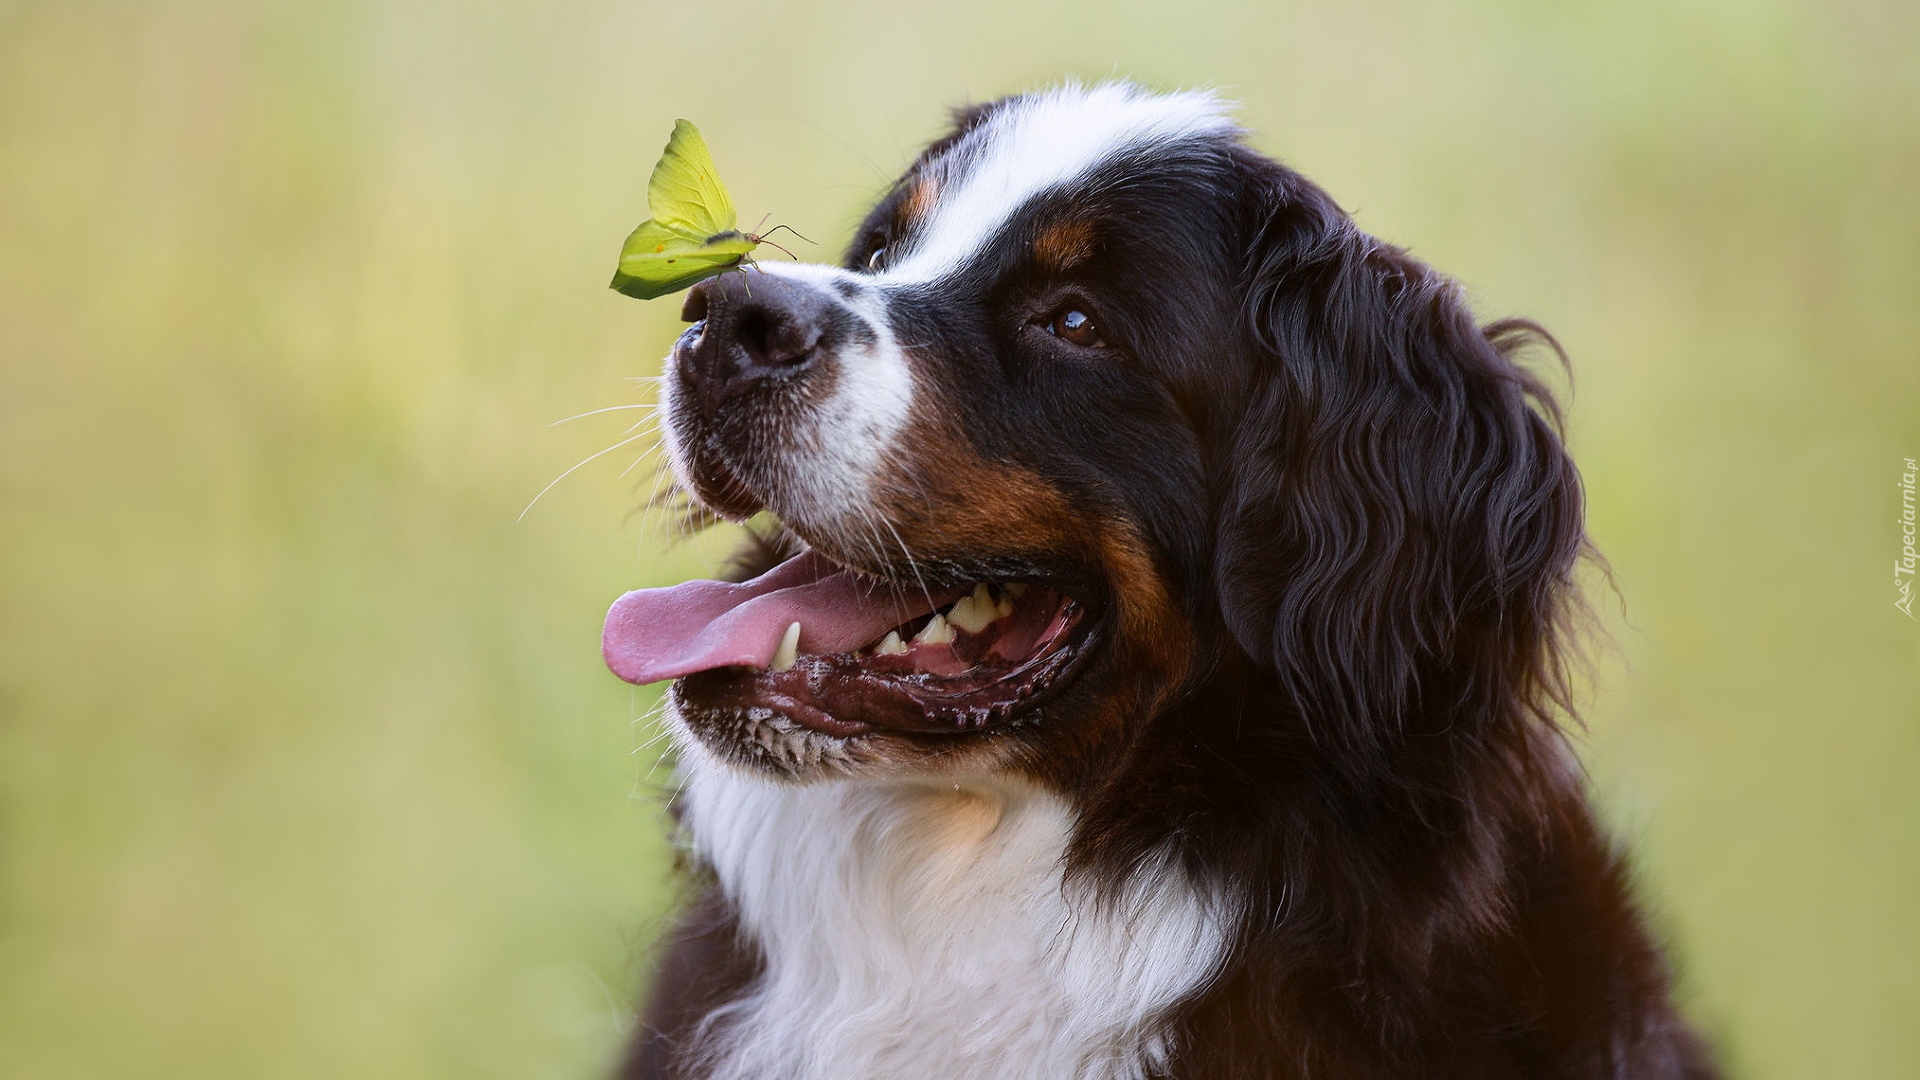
(1101, 408)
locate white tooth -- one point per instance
(789, 650)
(964, 616)
(1014, 589)
(891, 645)
(936, 632)
(975, 612)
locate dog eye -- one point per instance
(1076, 326)
(873, 260)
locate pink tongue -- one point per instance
(655, 634)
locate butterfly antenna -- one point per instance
(778, 248)
(777, 228)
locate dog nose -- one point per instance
(747, 331)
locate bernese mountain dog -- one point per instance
(1158, 661)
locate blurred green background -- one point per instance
(308, 763)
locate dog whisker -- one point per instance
(571, 471)
(597, 412)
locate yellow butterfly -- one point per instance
(693, 233)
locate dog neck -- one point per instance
(924, 929)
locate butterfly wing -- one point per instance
(657, 260)
(684, 193)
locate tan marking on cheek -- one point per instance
(984, 508)
(981, 507)
(1152, 625)
(1061, 247)
(951, 504)
(945, 501)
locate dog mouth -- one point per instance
(845, 653)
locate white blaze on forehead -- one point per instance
(1034, 144)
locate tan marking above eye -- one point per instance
(919, 202)
(1061, 246)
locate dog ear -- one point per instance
(1400, 521)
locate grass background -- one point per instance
(308, 764)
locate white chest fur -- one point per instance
(921, 931)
